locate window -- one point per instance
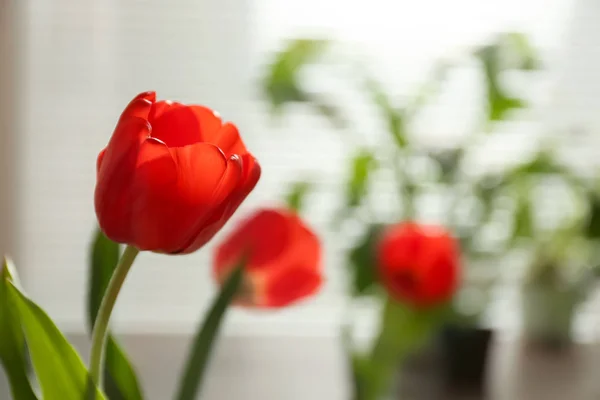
(82, 63)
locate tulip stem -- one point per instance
(109, 299)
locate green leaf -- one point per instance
(500, 104)
(362, 165)
(394, 117)
(60, 372)
(282, 83)
(542, 163)
(198, 358)
(121, 382)
(296, 195)
(362, 263)
(12, 341)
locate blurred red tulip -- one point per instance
(418, 264)
(171, 176)
(283, 259)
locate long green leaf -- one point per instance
(12, 342)
(60, 372)
(199, 357)
(121, 382)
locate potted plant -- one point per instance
(560, 277)
(469, 202)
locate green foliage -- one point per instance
(523, 218)
(393, 116)
(500, 103)
(297, 194)
(363, 164)
(282, 84)
(12, 340)
(509, 51)
(120, 378)
(543, 163)
(449, 162)
(362, 263)
(198, 358)
(59, 370)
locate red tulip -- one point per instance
(171, 176)
(418, 264)
(283, 259)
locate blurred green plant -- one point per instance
(282, 85)
(297, 194)
(504, 198)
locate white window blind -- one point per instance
(83, 61)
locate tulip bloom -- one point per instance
(283, 259)
(418, 264)
(171, 176)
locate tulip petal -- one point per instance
(250, 175)
(100, 159)
(200, 167)
(155, 180)
(210, 123)
(114, 178)
(162, 106)
(155, 168)
(140, 106)
(225, 136)
(177, 127)
(167, 213)
(290, 285)
(252, 172)
(265, 233)
(418, 264)
(228, 139)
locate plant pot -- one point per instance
(548, 316)
(453, 366)
(464, 355)
(419, 374)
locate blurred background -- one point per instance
(69, 67)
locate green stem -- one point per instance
(402, 330)
(405, 187)
(386, 352)
(106, 307)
